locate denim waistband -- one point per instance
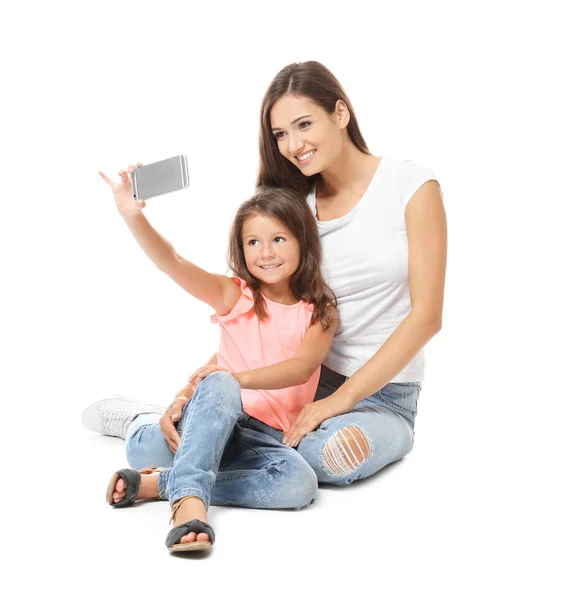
(335, 379)
(331, 377)
(401, 398)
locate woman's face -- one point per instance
(307, 135)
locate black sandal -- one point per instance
(133, 480)
(178, 532)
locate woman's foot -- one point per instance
(191, 508)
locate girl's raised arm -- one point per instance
(219, 291)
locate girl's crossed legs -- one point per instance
(253, 469)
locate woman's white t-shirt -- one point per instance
(365, 262)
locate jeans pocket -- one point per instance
(402, 398)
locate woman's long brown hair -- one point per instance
(315, 81)
(290, 209)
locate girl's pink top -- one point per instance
(248, 343)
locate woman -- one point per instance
(383, 231)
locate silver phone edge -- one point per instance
(134, 184)
(184, 169)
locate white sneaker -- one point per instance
(112, 416)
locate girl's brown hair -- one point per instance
(288, 208)
(314, 80)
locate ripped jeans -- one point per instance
(379, 430)
(256, 470)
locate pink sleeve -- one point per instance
(244, 304)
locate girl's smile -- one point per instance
(270, 250)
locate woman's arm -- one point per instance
(427, 238)
(219, 291)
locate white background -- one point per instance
(471, 90)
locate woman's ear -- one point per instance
(342, 114)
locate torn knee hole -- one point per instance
(346, 450)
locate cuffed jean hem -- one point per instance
(162, 482)
(178, 495)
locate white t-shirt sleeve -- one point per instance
(412, 176)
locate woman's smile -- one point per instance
(306, 158)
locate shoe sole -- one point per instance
(190, 547)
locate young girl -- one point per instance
(277, 323)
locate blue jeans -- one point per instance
(378, 431)
(225, 457)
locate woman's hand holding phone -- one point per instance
(123, 193)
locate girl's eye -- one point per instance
(279, 238)
(251, 242)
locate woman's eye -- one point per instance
(304, 124)
(279, 135)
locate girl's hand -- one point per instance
(123, 193)
(172, 416)
(203, 372)
(311, 416)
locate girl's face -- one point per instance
(270, 250)
(307, 135)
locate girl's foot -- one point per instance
(148, 486)
(191, 508)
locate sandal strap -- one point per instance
(177, 505)
(149, 470)
(195, 525)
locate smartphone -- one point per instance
(160, 178)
